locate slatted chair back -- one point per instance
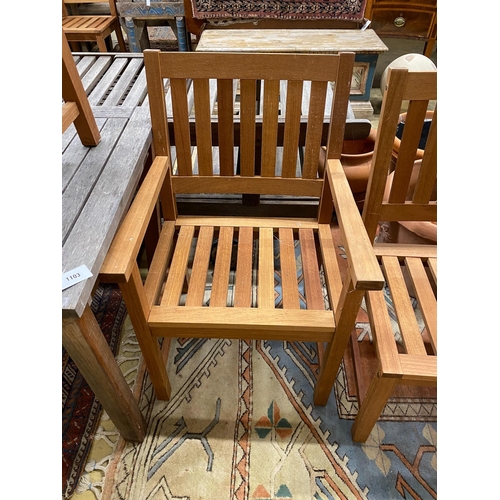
(260, 128)
(76, 107)
(96, 28)
(412, 194)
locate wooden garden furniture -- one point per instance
(76, 108)
(200, 259)
(92, 28)
(410, 270)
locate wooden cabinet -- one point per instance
(411, 19)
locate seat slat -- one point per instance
(292, 128)
(197, 283)
(312, 283)
(288, 270)
(314, 129)
(243, 284)
(265, 299)
(218, 297)
(402, 305)
(425, 296)
(203, 126)
(178, 266)
(270, 127)
(330, 265)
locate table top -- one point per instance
(291, 40)
(98, 183)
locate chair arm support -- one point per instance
(364, 268)
(124, 249)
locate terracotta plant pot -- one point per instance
(356, 159)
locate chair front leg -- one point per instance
(138, 308)
(345, 317)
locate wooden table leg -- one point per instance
(85, 343)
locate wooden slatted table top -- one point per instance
(98, 183)
(291, 40)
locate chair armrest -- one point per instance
(364, 267)
(124, 249)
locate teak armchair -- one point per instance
(406, 194)
(92, 28)
(76, 107)
(173, 301)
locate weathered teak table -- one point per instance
(98, 184)
(364, 43)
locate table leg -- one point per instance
(182, 35)
(133, 43)
(85, 343)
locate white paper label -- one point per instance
(74, 276)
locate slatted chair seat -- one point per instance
(406, 348)
(217, 276)
(92, 28)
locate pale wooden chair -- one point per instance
(94, 28)
(173, 301)
(407, 194)
(76, 107)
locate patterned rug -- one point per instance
(241, 425)
(80, 409)
(351, 10)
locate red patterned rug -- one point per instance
(350, 10)
(81, 410)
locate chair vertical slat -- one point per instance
(406, 156)
(218, 297)
(433, 267)
(425, 296)
(197, 284)
(314, 129)
(225, 115)
(248, 91)
(243, 284)
(265, 298)
(288, 269)
(181, 126)
(292, 128)
(178, 266)
(428, 170)
(203, 126)
(312, 283)
(402, 305)
(270, 127)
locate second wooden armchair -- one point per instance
(239, 252)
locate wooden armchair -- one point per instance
(92, 28)
(76, 107)
(407, 194)
(237, 253)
